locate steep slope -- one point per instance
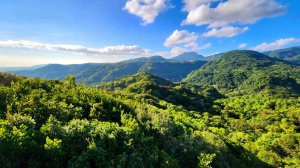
(173, 71)
(248, 72)
(188, 56)
(289, 54)
(213, 57)
(95, 73)
(153, 88)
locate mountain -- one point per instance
(245, 71)
(56, 71)
(188, 56)
(95, 73)
(213, 57)
(148, 59)
(174, 69)
(9, 69)
(289, 54)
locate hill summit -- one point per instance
(188, 56)
(243, 71)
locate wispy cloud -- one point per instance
(228, 31)
(204, 46)
(109, 50)
(243, 45)
(275, 45)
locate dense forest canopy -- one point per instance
(246, 72)
(289, 54)
(242, 110)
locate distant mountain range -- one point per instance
(241, 109)
(148, 59)
(174, 69)
(9, 69)
(95, 73)
(188, 56)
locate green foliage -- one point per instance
(289, 54)
(205, 160)
(145, 121)
(249, 72)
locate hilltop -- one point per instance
(248, 71)
(289, 54)
(188, 56)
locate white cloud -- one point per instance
(189, 47)
(181, 37)
(233, 11)
(227, 31)
(275, 45)
(195, 46)
(109, 50)
(192, 45)
(190, 5)
(178, 50)
(148, 10)
(243, 45)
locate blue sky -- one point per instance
(78, 31)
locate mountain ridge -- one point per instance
(291, 54)
(188, 56)
(95, 73)
(247, 71)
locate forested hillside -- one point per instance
(249, 72)
(142, 121)
(289, 54)
(95, 73)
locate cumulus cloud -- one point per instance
(148, 10)
(109, 50)
(227, 31)
(232, 12)
(275, 45)
(190, 5)
(243, 45)
(181, 37)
